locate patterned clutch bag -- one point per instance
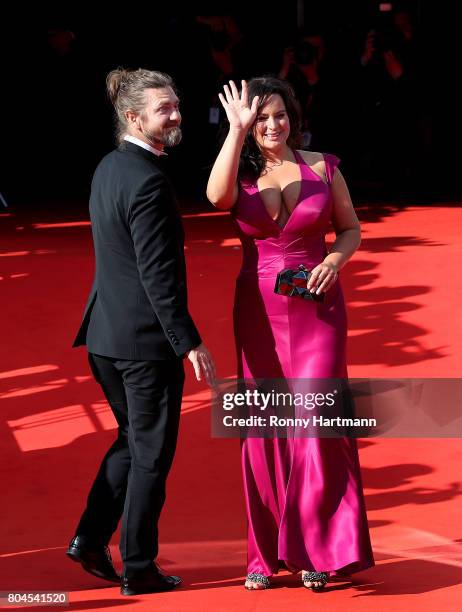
(292, 283)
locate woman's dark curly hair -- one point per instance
(252, 162)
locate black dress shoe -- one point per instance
(149, 581)
(95, 560)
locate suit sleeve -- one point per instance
(156, 232)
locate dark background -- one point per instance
(57, 122)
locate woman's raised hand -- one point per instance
(240, 115)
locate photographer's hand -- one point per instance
(369, 48)
(288, 59)
(394, 67)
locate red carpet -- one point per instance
(403, 291)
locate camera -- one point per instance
(305, 53)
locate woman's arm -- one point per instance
(222, 189)
(345, 222)
(348, 232)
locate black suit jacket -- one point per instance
(137, 307)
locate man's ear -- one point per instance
(132, 118)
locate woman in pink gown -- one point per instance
(304, 498)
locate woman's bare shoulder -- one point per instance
(311, 157)
(315, 161)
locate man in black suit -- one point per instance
(137, 330)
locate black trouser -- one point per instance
(145, 397)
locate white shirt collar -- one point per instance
(143, 144)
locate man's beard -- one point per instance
(173, 137)
(170, 137)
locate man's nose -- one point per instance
(175, 116)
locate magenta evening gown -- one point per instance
(304, 497)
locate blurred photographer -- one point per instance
(390, 43)
(390, 99)
(303, 67)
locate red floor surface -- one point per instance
(403, 293)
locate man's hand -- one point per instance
(203, 364)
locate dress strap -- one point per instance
(331, 162)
